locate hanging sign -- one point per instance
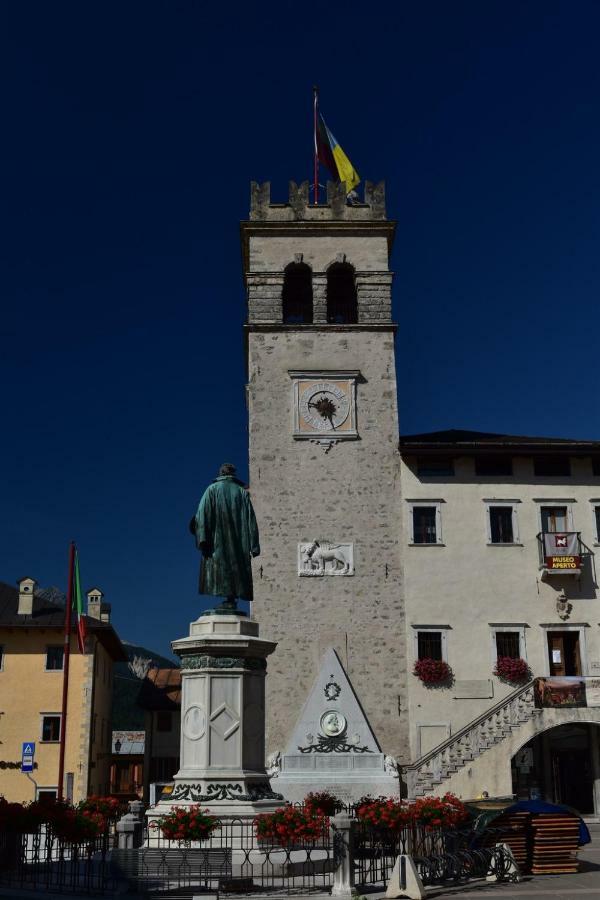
(560, 692)
(561, 551)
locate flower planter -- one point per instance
(433, 672)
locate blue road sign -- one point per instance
(27, 756)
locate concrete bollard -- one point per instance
(130, 827)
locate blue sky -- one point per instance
(131, 132)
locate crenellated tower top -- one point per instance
(325, 265)
(299, 207)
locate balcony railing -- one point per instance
(560, 552)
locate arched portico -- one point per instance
(561, 764)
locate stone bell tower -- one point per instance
(324, 460)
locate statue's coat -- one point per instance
(226, 532)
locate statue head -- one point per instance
(227, 469)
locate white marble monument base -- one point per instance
(223, 669)
(332, 747)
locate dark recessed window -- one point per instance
(441, 467)
(54, 658)
(163, 720)
(488, 466)
(1, 657)
(507, 644)
(429, 644)
(342, 304)
(501, 525)
(297, 296)
(597, 512)
(50, 729)
(596, 465)
(424, 525)
(551, 466)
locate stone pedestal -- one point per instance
(223, 668)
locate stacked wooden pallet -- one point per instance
(513, 829)
(555, 838)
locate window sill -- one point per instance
(55, 671)
(504, 544)
(412, 544)
(50, 742)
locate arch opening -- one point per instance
(560, 765)
(297, 296)
(342, 303)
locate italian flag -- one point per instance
(78, 606)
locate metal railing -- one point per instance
(43, 863)
(232, 858)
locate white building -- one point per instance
(388, 550)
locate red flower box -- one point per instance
(188, 823)
(515, 671)
(291, 825)
(433, 671)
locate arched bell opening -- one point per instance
(342, 303)
(297, 297)
(560, 765)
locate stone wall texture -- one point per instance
(350, 493)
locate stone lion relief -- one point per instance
(325, 558)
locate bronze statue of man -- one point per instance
(227, 534)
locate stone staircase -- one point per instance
(470, 742)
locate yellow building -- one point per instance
(31, 686)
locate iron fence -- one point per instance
(232, 859)
(40, 862)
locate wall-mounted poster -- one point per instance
(560, 692)
(592, 691)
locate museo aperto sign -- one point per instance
(561, 551)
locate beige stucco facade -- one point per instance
(471, 587)
(29, 691)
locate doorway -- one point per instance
(558, 766)
(564, 653)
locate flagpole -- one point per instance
(66, 655)
(315, 151)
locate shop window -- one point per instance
(596, 466)
(342, 304)
(552, 466)
(163, 720)
(50, 728)
(435, 468)
(490, 466)
(297, 296)
(501, 524)
(54, 658)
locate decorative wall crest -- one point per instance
(317, 558)
(332, 690)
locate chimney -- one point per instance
(94, 597)
(26, 589)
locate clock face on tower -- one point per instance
(324, 405)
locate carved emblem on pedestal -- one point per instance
(325, 558)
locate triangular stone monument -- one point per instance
(332, 746)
